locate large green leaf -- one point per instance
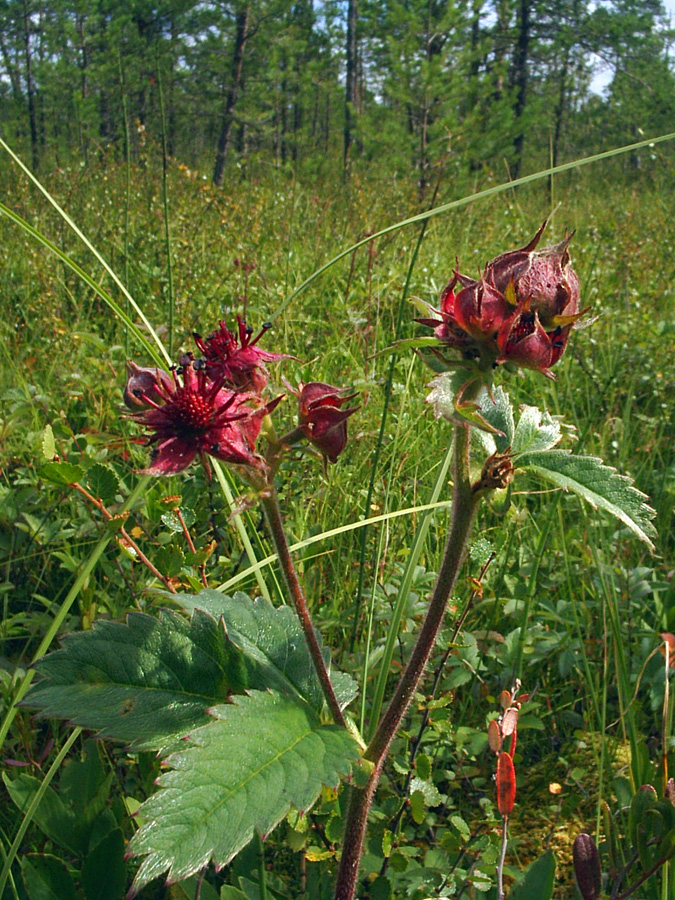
(597, 483)
(147, 682)
(262, 754)
(538, 880)
(273, 638)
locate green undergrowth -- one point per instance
(245, 249)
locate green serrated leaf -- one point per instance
(169, 560)
(597, 483)
(274, 639)
(61, 472)
(538, 880)
(428, 789)
(173, 522)
(461, 826)
(387, 842)
(147, 682)
(48, 443)
(261, 755)
(423, 766)
(495, 407)
(102, 482)
(535, 431)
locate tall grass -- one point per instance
(63, 245)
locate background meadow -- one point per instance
(568, 601)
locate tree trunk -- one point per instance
(30, 89)
(240, 39)
(520, 76)
(559, 113)
(350, 88)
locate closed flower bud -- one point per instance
(506, 784)
(480, 309)
(145, 386)
(321, 417)
(587, 869)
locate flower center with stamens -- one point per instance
(524, 327)
(190, 411)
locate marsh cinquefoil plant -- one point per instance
(240, 697)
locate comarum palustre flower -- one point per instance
(520, 310)
(195, 417)
(236, 356)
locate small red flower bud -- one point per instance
(509, 266)
(480, 309)
(145, 385)
(321, 417)
(551, 285)
(506, 784)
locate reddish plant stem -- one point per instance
(127, 537)
(464, 505)
(270, 502)
(190, 543)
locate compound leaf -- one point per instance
(261, 755)
(597, 483)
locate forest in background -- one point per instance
(328, 85)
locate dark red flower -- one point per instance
(236, 356)
(198, 417)
(523, 340)
(321, 417)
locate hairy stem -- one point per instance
(270, 504)
(464, 506)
